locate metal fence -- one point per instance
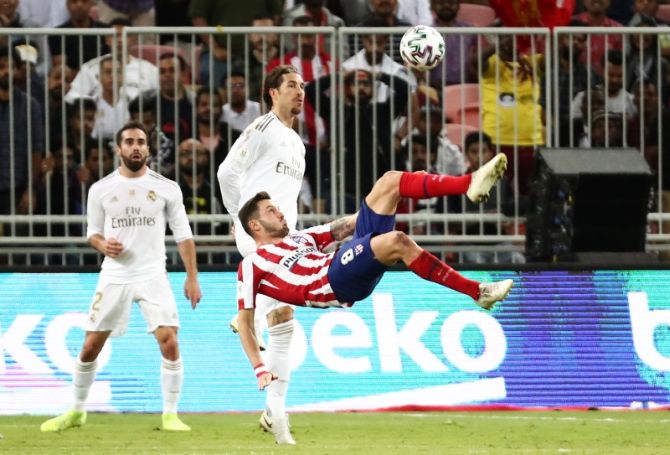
(508, 83)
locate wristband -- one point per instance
(260, 370)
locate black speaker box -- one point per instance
(587, 200)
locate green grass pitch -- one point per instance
(557, 432)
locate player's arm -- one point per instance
(245, 320)
(342, 228)
(95, 223)
(245, 152)
(178, 221)
(191, 286)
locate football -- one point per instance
(422, 47)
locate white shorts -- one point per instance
(110, 307)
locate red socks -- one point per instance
(431, 268)
(423, 186)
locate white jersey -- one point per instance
(134, 211)
(268, 156)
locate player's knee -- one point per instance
(397, 243)
(280, 315)
(390, 182)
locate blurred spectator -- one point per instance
(383, 14)
(643, 62)
(139, 12)
(74, 50)
(144, 109)
(59, 80)
(58, 179)
(172, 13)
(374, 59)
(40, 14)
(213, 13)
(194, 172)
(21, 145)
(368, 143)
(312, 64)
(621, 10)
(460, 51)
(643, 9)
(27, 78)
(644, 128)
(98, 162)
(264, 47)
(174, 106)
(414, 11)
(112, 102)
(352, 11)
(239, 111)
(80, 124)
(595, 16)
(138, 75)
(617, 99)
(9, 15)
(321, 17)
(209, 126)
(449, 159)
(511, 111)
(573, 78)
(605, 130)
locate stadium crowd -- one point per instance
(63, 96)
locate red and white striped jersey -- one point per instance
(294, 271)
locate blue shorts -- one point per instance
(354, 272)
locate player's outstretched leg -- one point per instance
(234, 326)
(281, 431)
(490, 293)
(171, 422)
(70, 419)
(485, 177)
(82, 380)
(420, 185)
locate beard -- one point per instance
(274, 231)
(4, 83)
(133, 165)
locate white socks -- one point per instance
(277, 361)
(172, 376)
(82, 379)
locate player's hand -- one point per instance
(113, 248)
(192, 291)
(266, 379)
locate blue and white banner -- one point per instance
(598, 338)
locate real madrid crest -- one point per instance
(131, 192)
(151, 195)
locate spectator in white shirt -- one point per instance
(138, 75)
(112, 102)
(239, 111)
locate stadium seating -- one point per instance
(477, 15)
(456, 96)
(469, 115)
(456, 132)
(663, 13)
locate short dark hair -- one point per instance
(83, 103)
(249, 210)
(174, 55)
(147, 101)
(13, 54)
(120, 21)
(132, 125)
(202, 91)
(303, 20)
(235, 72)
(274, 79)
(476, 136)
(614, 57)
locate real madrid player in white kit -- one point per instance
(270, 156)
(127, 213)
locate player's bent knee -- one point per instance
(390, 181)
(280, 315)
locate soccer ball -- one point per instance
(422, 48)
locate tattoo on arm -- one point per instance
(343, 228)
